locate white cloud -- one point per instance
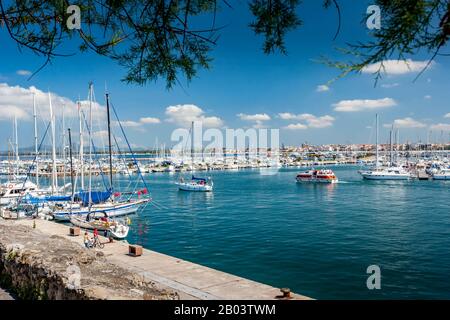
(363, 105)
(184, 114)
(254, 117)
(296, 126)
(149, 120)
(322, 88)
(130, 124)
(258, 118)
(138, 124)
(428, 97)
(406, 123)
(447, 115)
(23, 72)
(312, 121)
(440, 127)
(287, 116)
(396, 67)
(390, 85)
(18, 101)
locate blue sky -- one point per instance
(246, 88)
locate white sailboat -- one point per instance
(99, 202)
(384, 173)
(196, 184)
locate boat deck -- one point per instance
(190, 280)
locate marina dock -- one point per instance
(191, 281)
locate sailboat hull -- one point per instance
(111, 210)
(194, 187)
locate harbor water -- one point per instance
(316, 239)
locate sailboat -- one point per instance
(384, 173)
(100, 202)
(18, 185)
(196, 184)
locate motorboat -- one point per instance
(321, 176)
(388, 173)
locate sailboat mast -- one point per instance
(192, 145)
(16, 146)
(52, 123)
(71, 167)
(81, 145)
(90, 145)
(391, 146)
(64, 145)
(398, 146)
(36, 166)
(109, 143)
(376, 141)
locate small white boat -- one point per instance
(119, 231)
(196, 185)
(116, 229)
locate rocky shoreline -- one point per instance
(34, 265)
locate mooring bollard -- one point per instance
(74, 231)
(286, 293)
(134, 250)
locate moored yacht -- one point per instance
(13, 190)
(389, 173)
(443, 174)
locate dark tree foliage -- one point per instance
(167, 38)
(274, 18)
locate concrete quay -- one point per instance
(189, 280)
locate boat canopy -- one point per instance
(96, 197)
(198, 179)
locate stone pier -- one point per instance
(112, 273)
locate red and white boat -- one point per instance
(323, 176)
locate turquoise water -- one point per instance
(317, 240)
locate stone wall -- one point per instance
(36, 266)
